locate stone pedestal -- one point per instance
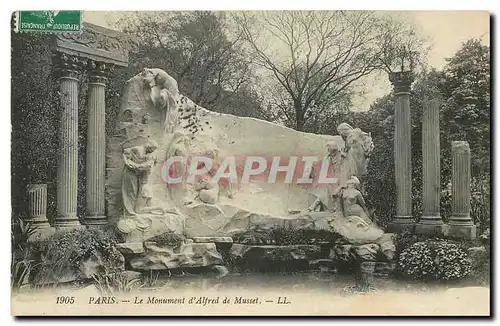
(37, 206)
(402, 151)
(461, 224)
(67, 68)
(430, 222)
(96, 142)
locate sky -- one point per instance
(445, 30)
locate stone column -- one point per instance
(37, 206)
(96, 142)
(402, 151)
(460, 224)
(430, 222)
(67, 68)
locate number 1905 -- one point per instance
(65, 300)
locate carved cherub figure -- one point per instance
(208, 191)
(213, 154)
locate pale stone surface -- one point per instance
(67, 169)
(460, 224)
(387, 246)
(367, 252)
(402, 150)
(96, 140)
(96, 43)
(431, 172)
(143, 227)
(168, 257)
(154, 110)
(352, 253)
(37, 206)
(213, 239)
(130, 248)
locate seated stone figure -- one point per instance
(353, 203)
(208, 191)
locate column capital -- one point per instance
(401, 81)
(98, 71)
(68, 66)
(460, 146)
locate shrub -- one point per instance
(64, 252)
(480, 264)
(22, 263)
(405, 240)
(434, 259)
(114, 283)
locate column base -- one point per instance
(96, 220)
(401, 224)
(432, 226)
(66, 222)
(39, 223)
(460, 231)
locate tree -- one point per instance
(467, 108)
(323, 54)
(196, 48)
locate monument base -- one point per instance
(401, 224)
(430, 227)
(457, 231)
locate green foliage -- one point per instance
(168, 239)
(33, 117)
(22, 263)
(485, 236)
(21, 231)
(63, 252)
(200, 50)
(114, 283)
(404, 240)
(481, 264)
(286, 236)
(434, 259)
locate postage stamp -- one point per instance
(51, 21)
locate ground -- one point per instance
(309, 293)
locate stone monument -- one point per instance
(155, 112)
